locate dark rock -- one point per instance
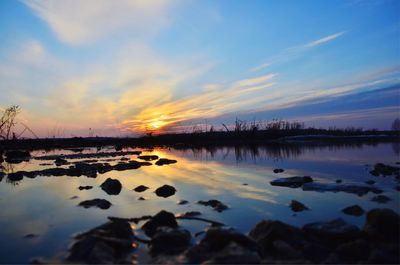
(165, 161)
(165, 191)
(278, 170)
(233, 253)
(297, 206)
(99, 203)
(339, 181)
(217, 238)
(336, 231)
(85, 187)
(385, 170)
(353, 210)
(140, 188)
(111, 186)
(169, 241)
(324, 187)
(59, 161)
(30, 236)
(73, 197)
(148, 157)
(370, 182)
(16, 176)
(141, 199)
(182, 202)
(163, 218)
(215, 204)
(291, 182)
(16, 156)
(374, 173)
(109, 243)
(188, 214)
(383, 225)
(89, 155)
(266, 232)
(350, 253)
(381, 199)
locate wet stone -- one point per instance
(169, 241)
(215, 204)
(148, 157)
(182, 202)
(339, 181)
(291, 182)
(370, 182)
(60, 161)
(99, 203)
(165, 191)
(381, 199)
(297, 206)
(140, 188)
(163, 218)
(85, 187)
(188, 214)
(109, 243)
(141, 199)
(165, 161)
(30, 236)
(354, 210)
(383, 225)
(111, 186)
(278, 170)
(16, 156)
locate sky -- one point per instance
(127, 67)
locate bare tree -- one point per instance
(7, 122)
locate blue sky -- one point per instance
(122, 67)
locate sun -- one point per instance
(156, 124)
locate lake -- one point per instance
(45, 207)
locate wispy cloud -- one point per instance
(79, 22)
(260, 67)
(324, 40)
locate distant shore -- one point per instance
(218, 138)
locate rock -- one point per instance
(140, 188)
(335, 231)
(141, 199)
(217, 238)
(297, 206)
(188, 214)
(383, 225)
(278, 170)
(215, 204)
(324, 187)
(266, 232)
(370, 182)
(353, 210)
(233, 253)
(85, 187)
(59, 161)
(169, 241)
(163, 218)
(148, 157)
(99, 203)
(291, 182)
(165, 191)
(165, 161)
(381, 199)
(350, 253)
(16, 156)
(109, 243)
(339, 181)
(15, 176)
(73, 197)
(111, 186)
(182, 202)
(30, 236)
(385, 170)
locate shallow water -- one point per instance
(42, 205)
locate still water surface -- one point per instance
(239, 177)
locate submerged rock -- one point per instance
(297, 206)
(163, 218)
(182, 202)
(109, 243)
(353, 210)
(165, 161)
(278, 170)
(291, 182)
(383, 224)
(331, 187)
(165, 191)
(99, 203)
(16, 156)
(381, 199)
(111, 186)
(148, 157)
(215, 204)
(140, 188)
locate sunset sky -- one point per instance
(124, 67)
